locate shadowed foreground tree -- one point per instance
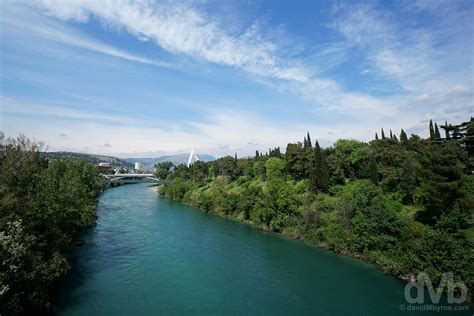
(43, 205)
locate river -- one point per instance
(151, 256)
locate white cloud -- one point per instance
(183, 29)
(363, 26)
(35, 24)
(411, 56)
(15, 107)
(180, 28)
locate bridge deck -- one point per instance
(127, 178)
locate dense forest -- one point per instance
(43, 205)
(404, 203)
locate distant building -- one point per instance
(105, 164)
(138, 166)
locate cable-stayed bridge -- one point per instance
(129, 178)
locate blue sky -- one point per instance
(145, 78)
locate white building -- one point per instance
(138, 166)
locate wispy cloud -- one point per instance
(37, 25)
(181, 28)
(13, 106)
(411, 56)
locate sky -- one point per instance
(146, 78)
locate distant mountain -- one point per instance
(149, 163)
(95, 159)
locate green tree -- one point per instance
(226, 166)
(307, 143)
(446, 130)
(295, 160)
(162, 169)
(43, 206)
(318, 175)
(432, 131)
(403, 137)
(437, 134)
(275, 168)
(373, 171)
(441, 181)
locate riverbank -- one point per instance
(297, 235)
(405, 205)
(403, 248)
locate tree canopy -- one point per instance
(43, 205)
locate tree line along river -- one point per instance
(150, 256)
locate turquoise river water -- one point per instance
(151, 256)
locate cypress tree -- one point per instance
(403, 136)
(432, 133)
(383, 134)
(316, 146)
(376, 136)
(391, 134)
(308, 139)
(235, 156)
(446, 130)
(318, 175)
(256, 154)
(437, 133)
(313, 170)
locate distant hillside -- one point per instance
(95, 159)
(148, 163)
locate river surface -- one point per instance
(151, 256)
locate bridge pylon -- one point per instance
(193, 157)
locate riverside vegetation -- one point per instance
(43, 206)
(403, 203)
